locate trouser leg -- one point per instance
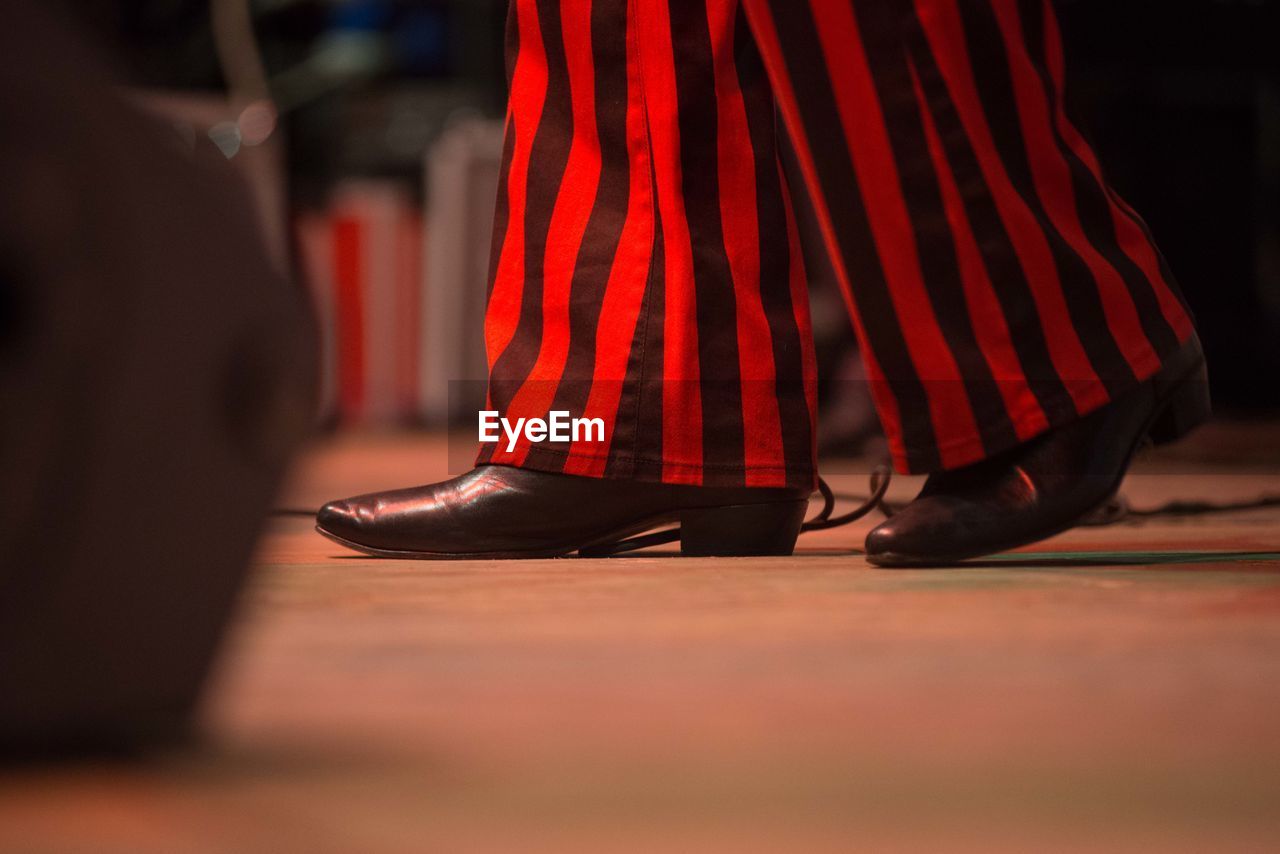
(646, 268)
(999, 286)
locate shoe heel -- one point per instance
(1186, 409)
(742, 530)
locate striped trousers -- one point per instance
(646, 268)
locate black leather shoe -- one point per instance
(505, 512)
(1047, 485)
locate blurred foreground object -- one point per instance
(155, 373)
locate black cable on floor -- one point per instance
(880, 478)
(1118, 509)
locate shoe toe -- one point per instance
(920, 534)
(880, 540)
(341, 518)
(886, 544)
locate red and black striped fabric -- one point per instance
(646, 265)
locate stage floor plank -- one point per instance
(1115, 688)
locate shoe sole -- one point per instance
(738, 530)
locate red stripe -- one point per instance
(1129, 234)
(944, 31)
(681, 394)
(760, 18)
(877, 171)
(624, 292)
(349, 294)
(569, 218)
(984, 309)
(1051, 175)
(524, 112)
(763, 454)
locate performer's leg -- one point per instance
(646, 270)
(1004, 291)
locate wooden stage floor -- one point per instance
(1112, 689)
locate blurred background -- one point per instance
(376, 179)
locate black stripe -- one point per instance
(636, 449)
(816, 101)
(548, 158)
(882, 39)
(716, 307)
(511, 49)
(990, 66)
(775, 261)
(502, 207)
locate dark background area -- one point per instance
(1181, 98)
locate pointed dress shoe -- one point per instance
(1047, 485)
(504, 512)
